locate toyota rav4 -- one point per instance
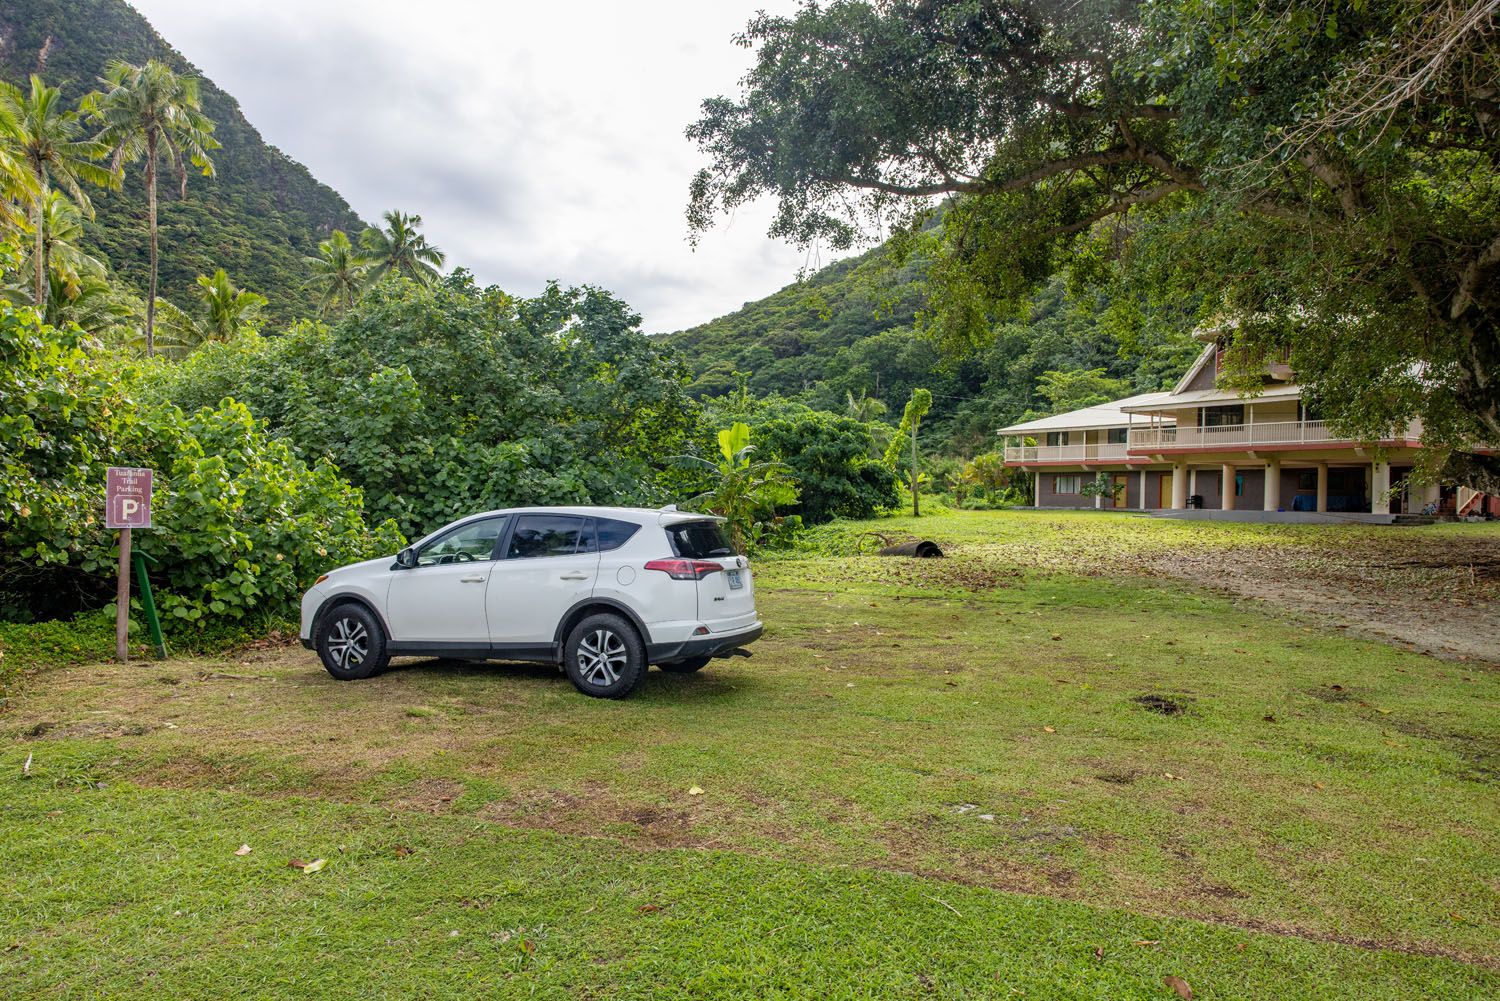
(602, 592)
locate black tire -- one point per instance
(688, 666)
(604, 657)
(351, 643)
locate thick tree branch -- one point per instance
(1117, 205)
(1469, 279)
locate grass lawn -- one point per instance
(986, 776)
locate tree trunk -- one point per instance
(39, 298)
(151, 226)
(916, 507)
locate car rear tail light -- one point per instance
(684, 569)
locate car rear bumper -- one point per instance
(713, 645)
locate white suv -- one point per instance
(601, 591)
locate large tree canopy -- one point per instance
(1313, 177)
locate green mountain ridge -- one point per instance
(850, 329)
(257, 218)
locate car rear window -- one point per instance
(699, 540)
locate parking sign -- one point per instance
(127, 497)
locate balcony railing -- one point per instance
(1093, 452)
(1231, 436)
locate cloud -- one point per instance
(536, 141)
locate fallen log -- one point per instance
(922, 549)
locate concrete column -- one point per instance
(1226, 488)
(1380, 485)
(1192, 481)
(1144, 505)
(1273, 484)
(1428, 493)
(1322, 487)
(1036, 489)
(1179, 486)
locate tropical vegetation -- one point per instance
(1312, 180)
(151, 114)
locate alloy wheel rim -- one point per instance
(601, 658)
(348, 643)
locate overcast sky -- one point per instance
(536, 140)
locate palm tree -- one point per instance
(87, 299)
(863, 408)
(227, 308)
(16, 187)
(44, 138)
(224, 311)
(338, 273)
(62, 239)
(150, 112)
(399, 248)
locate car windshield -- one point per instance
(699, 540)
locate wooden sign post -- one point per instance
(127, 505)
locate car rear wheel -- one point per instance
(604, 657)
(685, 666)
(351, 643)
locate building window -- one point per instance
(1218, 417)
(1069, 484)
(1055, 438)
(1118, 436)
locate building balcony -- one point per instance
(1093, 452)
(1231, 437)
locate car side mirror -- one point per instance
(406, 558)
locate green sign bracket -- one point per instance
(148, 605)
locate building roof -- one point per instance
(1105, 415)
(1208, 352)
(1164, 402)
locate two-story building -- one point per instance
(1199, 447)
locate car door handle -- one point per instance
(575, 575)
(472, 579)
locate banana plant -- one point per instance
(746, 492)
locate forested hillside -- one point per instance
(848, 330)
(259, 216)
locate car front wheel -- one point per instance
(604, 657)
(351, 643)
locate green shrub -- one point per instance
(242, 525)
(829, 457)
(444, 400)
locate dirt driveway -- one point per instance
(1435, 589)
(1435, 595)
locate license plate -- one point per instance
(735, 581)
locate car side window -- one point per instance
(465, 544)
(538, 535)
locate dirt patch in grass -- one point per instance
(1164, 705)
(106, 729)
(430, 795)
